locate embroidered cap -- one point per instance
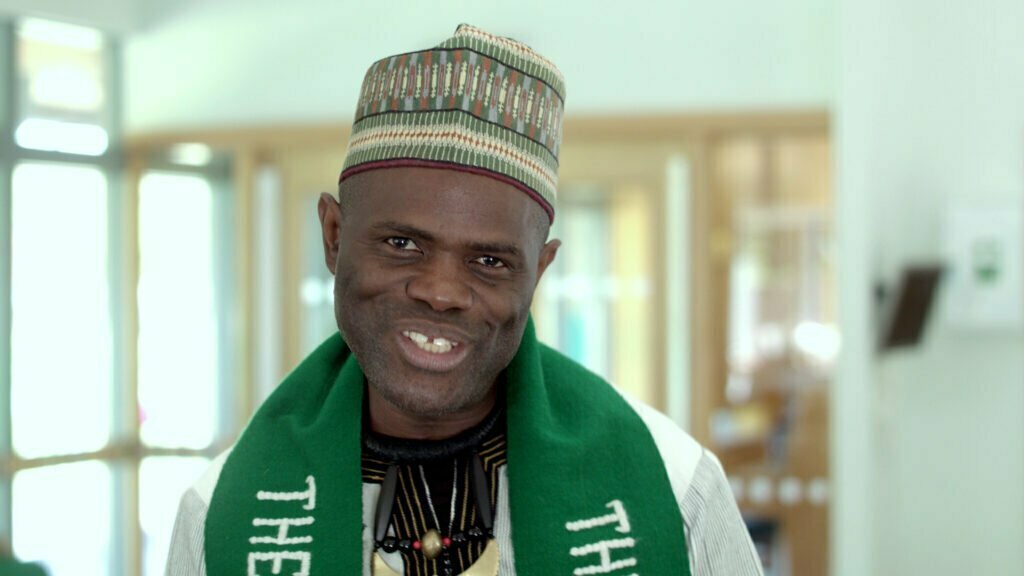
(477, 102)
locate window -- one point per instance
(114, 355)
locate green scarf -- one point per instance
(587, 487)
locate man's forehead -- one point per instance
(454, 205)
(424, 188)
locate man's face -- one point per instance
(434, 274)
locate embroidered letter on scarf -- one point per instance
(604, 548)
(282, 535)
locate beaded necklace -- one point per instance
(403, 524)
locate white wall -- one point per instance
(227, 62)
(930, 111)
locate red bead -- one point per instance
(417, 545)
(447, 541)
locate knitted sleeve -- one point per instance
(185, 557)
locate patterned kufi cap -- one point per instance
(477, 102)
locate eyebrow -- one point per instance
(403, 229)
(414, 232)
(495, 248)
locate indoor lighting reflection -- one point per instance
(190, 154)
(817, 340)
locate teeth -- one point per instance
(437, 346)
(416, 337)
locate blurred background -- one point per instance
(795, 227)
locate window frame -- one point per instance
(6, 171)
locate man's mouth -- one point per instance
(438, 345)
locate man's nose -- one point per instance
(441, 285)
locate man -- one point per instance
(434, 434)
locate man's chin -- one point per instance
(429, 401)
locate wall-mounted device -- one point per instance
(906, 313)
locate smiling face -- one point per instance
(434, 274)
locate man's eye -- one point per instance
(491, 262)
(402, 243)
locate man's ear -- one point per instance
(330, 226)
(547, 256)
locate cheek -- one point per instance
(360, 281)
(352, 286)
(507, 308)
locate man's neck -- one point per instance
(390, 420)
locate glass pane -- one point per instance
(63, 100)
(61, 518)
(61, 327)
(162, 481)
(178, 335)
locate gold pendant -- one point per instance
(431, 544)
(486, 565)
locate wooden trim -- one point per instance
(659, 291)
(701, 293)
(291, 265)
(131, 537)
(127, 478)
(244, 167)
(129, 312)
(582, 127)
(257, 137)
(132, 452)
(674, 126)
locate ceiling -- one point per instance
(115, 16)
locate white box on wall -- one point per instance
(985, 248)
